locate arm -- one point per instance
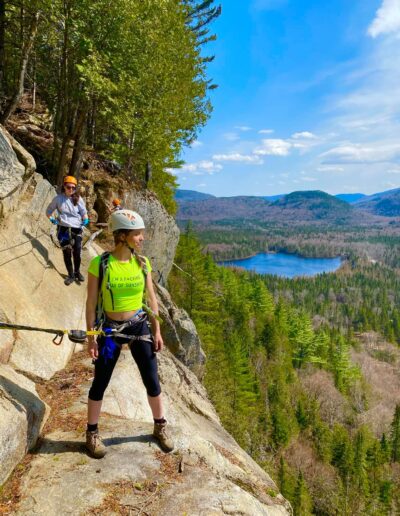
(82, 209)
(51, 207)
(155, 325)
(91, 303)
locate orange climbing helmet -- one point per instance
(70, 179)
(116, 202)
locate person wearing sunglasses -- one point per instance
(71, 217)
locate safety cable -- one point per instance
(78, 336)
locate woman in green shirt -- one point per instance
(124, 278)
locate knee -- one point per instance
(96, 392)
(153, 388)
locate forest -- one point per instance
(278, 353)
(125, 79)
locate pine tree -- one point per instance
(395, 435)
(302, 503)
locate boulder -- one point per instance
(22, 416)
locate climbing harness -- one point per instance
(85, 243)
(78, 336)
(113, 330)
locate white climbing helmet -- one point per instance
(125, 219)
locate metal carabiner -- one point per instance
(60, 336)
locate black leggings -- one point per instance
(143, 354)
(71, 243)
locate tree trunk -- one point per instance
(61, 130)
(79, 136)
(26, 50)
(34, 83)
(2, 47)
(63, 158)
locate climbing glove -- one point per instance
(53, 220)
(85, 222)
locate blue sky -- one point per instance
(308, 99)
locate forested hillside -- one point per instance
(126, 79)
(296, 208)
(289, 391)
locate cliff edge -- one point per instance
(43, 390)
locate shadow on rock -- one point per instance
(112, 441)
(49, 446)
(42, 250)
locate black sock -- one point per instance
(160, 421)
(92, 428)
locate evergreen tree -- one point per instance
(395, 435)
(302, 503)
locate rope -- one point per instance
(73, 335)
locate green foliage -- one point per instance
(395, 435)
(302, 503)
(127, 77)
(257, 352)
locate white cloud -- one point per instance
(390, 184)
(231, 137)
(266, 131)
(395, 170)
(240, 158)
(243, 127)
(387, 19)
(308, 179)
(362, 153)
(196, 143)
(330, 168)
(303, 135)
(200, 168)
(274, 147)
(201, 185)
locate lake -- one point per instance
(286, 265)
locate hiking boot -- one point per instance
(79, 276)
(68, 280)
(161, 434)
(95, 445)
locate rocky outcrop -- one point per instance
(180, 334)
(22, 415)
(12, 174)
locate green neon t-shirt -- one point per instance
(126, 282)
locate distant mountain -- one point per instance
(191, 195)
(295, 208)
(273, 198)
(386, 203)
(316, 205)
(350, 197)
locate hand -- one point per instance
(53, 220)
(93, 349)
(158, 342)
(85, 222)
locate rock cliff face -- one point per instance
(209, 474)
